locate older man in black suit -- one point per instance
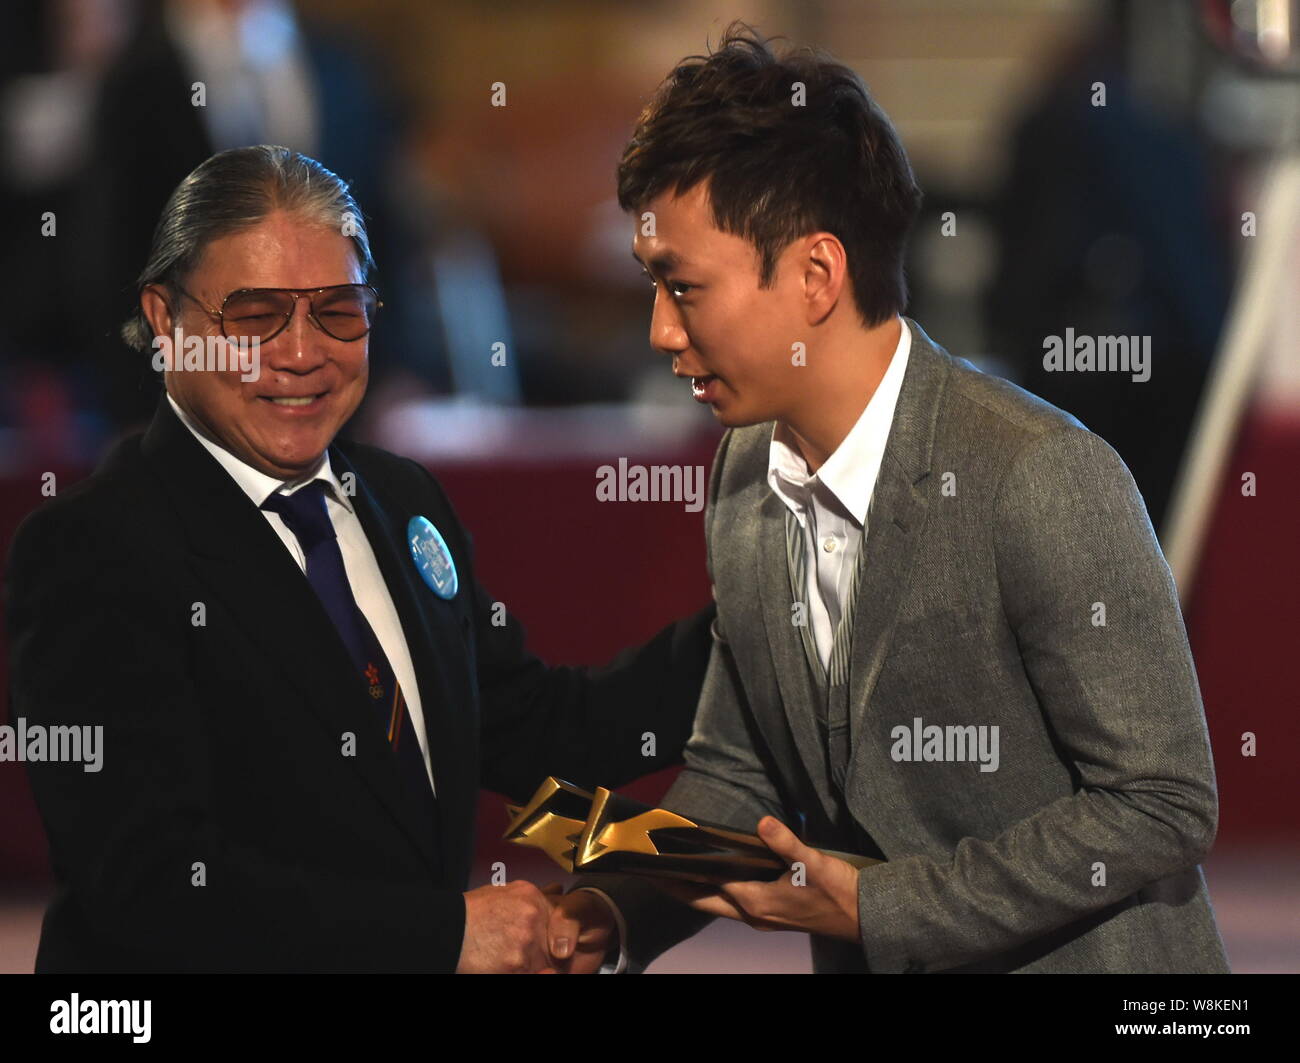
(300, 682)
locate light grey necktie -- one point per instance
(833, 709)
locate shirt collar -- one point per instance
(258, 485)
(849, 474)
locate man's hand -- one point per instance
(826, 903)
(505, 931)
(582, 930)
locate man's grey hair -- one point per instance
(235, 190)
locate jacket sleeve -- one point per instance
(1118, 691)
(727, 780)
(588, 726)
(135, 844)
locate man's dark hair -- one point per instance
(777, 170)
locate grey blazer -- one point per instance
(978, 607)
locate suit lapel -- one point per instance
(438, 653)
(241, 559)
(896, 516)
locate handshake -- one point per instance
(770, 880)
(520, 929)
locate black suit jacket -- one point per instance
(227, 829)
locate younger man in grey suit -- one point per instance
(946, 634)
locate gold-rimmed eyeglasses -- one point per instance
(343, 311)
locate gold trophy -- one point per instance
(607, 832)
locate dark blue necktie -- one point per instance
(304, 513)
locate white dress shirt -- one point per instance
(368, 586)
(831, 505)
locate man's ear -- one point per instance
(825, 272)
(157, 311)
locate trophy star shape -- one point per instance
(607, 832)
(540, 824)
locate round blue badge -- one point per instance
(432, 557)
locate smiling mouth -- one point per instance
(302, 400)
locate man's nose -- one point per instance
(302, 344)
(667, 333)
